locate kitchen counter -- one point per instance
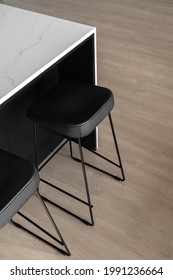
(30, 43)
(36, 53)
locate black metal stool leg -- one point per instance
(88, 203)
(60, 240)
(53, 223)
(119, 164)
(85, 181)
(71, 150)
(116, 146)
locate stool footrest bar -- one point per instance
(99, 169)
(67, 211)
(39, 237)
(65, 192)
(49, 216)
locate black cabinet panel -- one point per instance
(16, 130)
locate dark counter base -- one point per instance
(16, 130)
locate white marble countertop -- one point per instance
(30, 43)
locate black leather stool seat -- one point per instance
(18, 181)
(73, 109)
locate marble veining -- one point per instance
(30, 43)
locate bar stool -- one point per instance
(74, 110)
(19, 180)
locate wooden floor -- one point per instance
(134, 219)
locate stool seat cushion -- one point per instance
(73, 109)
(18, 181)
